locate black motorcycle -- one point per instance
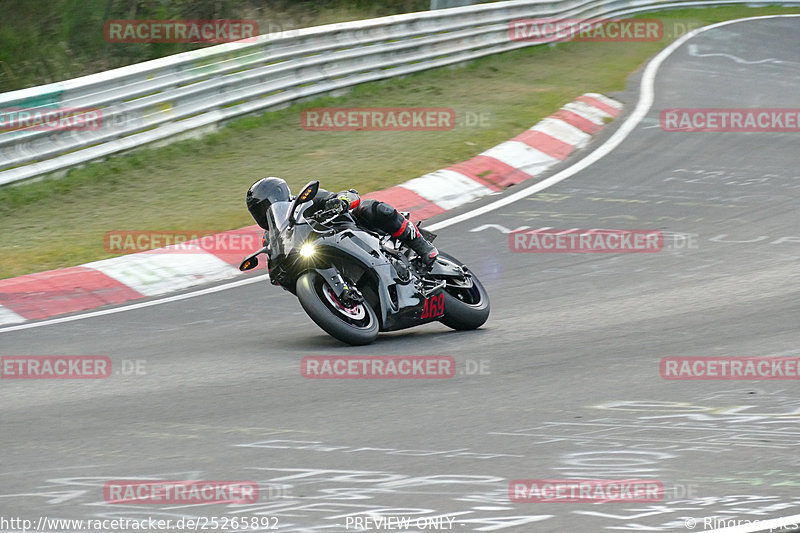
(354, 283)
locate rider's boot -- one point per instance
(410, 235)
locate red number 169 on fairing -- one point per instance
(434, 307)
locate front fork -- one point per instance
(344, 293)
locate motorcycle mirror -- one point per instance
(251, 261)
(305, 195)
(308, 192)
(248, 264)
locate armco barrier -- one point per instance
(189, 93)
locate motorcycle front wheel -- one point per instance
(356, 325)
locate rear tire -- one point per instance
(465, 308)
(355, 326)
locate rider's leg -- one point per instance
(373, 214)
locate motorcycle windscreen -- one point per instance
(278, 215)
(277, 220)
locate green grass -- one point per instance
(200, 185)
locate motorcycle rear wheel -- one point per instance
(357, 325)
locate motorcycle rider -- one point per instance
(370, 214)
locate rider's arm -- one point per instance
(325, 200)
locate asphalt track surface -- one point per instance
(570, 386)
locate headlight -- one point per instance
(307, 250)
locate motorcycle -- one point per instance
(354, 283)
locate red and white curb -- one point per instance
(524, 157)
(165, 270)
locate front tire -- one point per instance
(356, 325)
(465, 308)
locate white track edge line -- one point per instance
(139, 305)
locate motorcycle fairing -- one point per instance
(400, 305)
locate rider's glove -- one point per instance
(339, 205)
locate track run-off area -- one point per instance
(563, 382)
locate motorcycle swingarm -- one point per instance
(441, 269)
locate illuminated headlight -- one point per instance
(307, 250)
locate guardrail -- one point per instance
(192, 93)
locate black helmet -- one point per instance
(262, 194)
